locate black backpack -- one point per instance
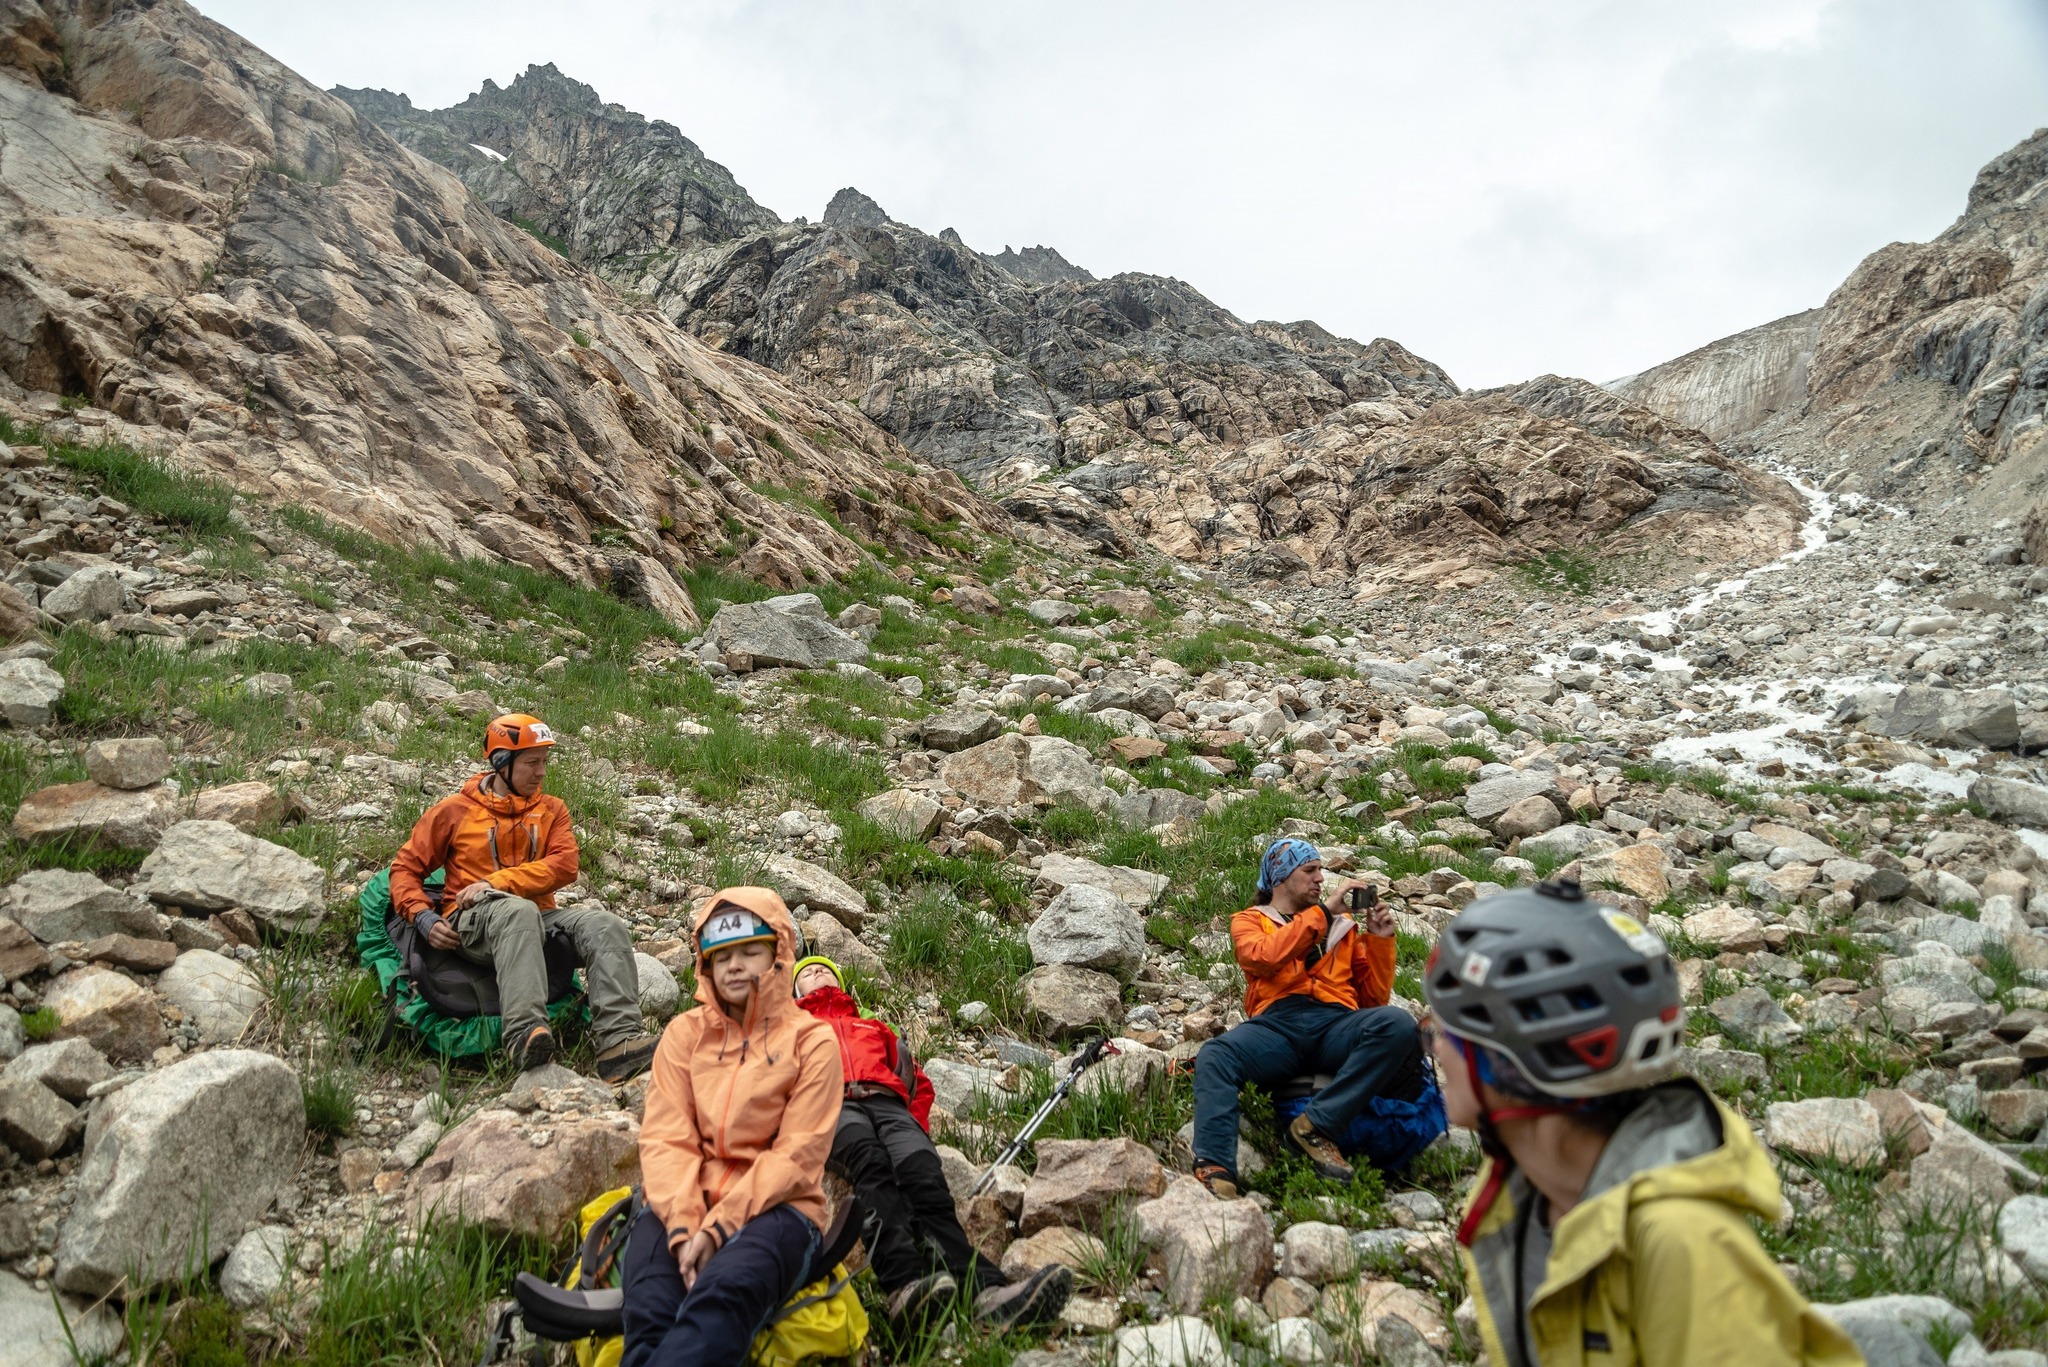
(457, 986)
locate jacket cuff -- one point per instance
(425, 920)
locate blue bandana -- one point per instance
(1283, 857)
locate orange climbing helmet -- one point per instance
(513, 732)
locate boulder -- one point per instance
(833, 940)
(658, 987)
(1014, 769)
(1530, 816)
(29, 691)
(975, 600)
(1149, 807)
(13, 1038)
(129, 952)
(108, 1010)
(769, 636)
(257, 1268)
(1372, 1301)
(1317, 1253)
(962, 728)
(1057, 1246)
(1090, 927)
(217, 994)
(1790, 845)
(247, 807)
(67, 1067)
(93, 594)
(1567, 843)
(956, 1086)
(90, 811)
(1176, 1341)
(1136, 887)
(515, 1174)
(2023, 1234)
(180, 1162)
(902, 813)
(42, 1330)
(2008, 799)
(34, 1121)
(1079, 1180)
(1490, 798)
(136, 762)
(211, 866)
(20, 955)
(1722, 929)
(1847, 1130)
(2016, 1113)
(1892, 1331)
(1134, 603)
(1207, 1247)
(803, 883)
(1066, 1001)
(1753, 1015)
(1400, 1344)
(59, 904)
(1960, 1172)
(1952, 718)
(1051, 612)
(1635, 869)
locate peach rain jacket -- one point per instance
(519, 845)
(740, 1114)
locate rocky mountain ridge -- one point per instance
(210, 259)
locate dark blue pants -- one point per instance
(714, 1323)
(1367, 1051)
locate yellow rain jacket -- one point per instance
(1657, 1265)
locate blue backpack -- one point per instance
(1389, 1134)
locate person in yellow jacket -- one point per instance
(1609, 1225)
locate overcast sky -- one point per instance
(1580, 187)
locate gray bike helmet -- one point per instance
(1582, 997)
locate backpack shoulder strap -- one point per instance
(607, 1237)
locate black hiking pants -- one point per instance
(907, 1214)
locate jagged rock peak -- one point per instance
(1039, 265)
(852, 209)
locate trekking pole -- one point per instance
(1094, 1050)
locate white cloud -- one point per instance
(1581, 187)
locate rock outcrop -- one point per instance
(1728, 387)
(235, 269)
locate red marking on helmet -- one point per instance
(1668, 1014)
(1597, 1048)
(1429, 966)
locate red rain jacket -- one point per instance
(869, 1050)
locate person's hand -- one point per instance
(1336, 904)
(1379, 920)
(474, 893)
(441, 935)
(691, 1260)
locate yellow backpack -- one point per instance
(823, 1321)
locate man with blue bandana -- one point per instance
(1315, 1001)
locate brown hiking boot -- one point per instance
(1029, 1304)
(537, 1048)
(1218, 1180)
(1322, 1154)
(628, 1059)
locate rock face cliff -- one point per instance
(1925, 374)
(1731, 386)
(999, 366)
(227, 265)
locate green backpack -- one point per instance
(450, 1036)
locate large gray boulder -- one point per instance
(2011, 800)
(211, 866)
(29, 690)
(218, 995)
(962, 728)
(1089, 927)
(180, 1163)
(1490, 798)
(93, 594)
(1149, 807)
(60, 904)
(769, 636)
(91, 811)
(36, 1332)
(1066, 1001)
(904, 813)
(803, 883)
(1945, 716)
(128, 763)
(1014, 770)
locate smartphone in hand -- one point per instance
(1363, 898)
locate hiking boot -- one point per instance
(628, 1059)
(536, 1049)
(1322, 1154)
(1035, 1301)
(1218, 1180)
(910, 1305)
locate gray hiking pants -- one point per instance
(505, 932)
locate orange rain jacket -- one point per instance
(740, 1114)
(1357, 971)
(519, 845)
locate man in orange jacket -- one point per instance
(507, 848)
(1315, 997)
(741, 1107)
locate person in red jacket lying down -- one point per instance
(882, 1149)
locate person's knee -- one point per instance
(1392, 1026)
(514, 916)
